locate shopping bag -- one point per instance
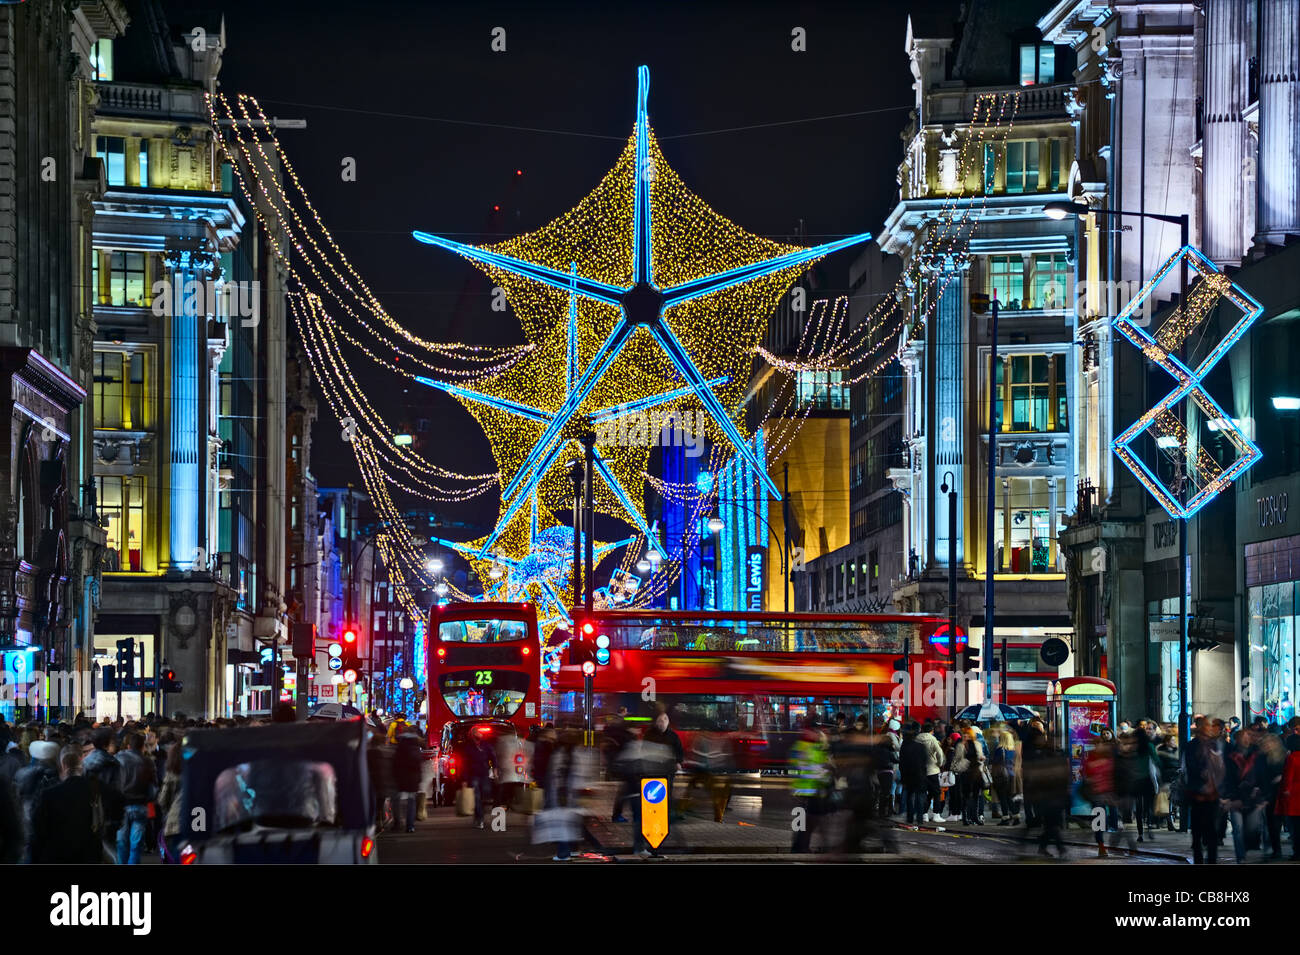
(528, 800)
(465, 801)
(1162, 803)
(947, 779)
(557, 825)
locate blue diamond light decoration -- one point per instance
(1208, 478)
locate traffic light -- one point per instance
(900, 664)
(972, 657)
(125, 670)
(168, 682)
(602, 649)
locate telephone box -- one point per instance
(1078, 709)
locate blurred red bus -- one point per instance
(484, 664)
(756, 678)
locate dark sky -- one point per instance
(372, 78)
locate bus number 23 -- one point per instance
(482, 677)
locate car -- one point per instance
(295, 793)
(451, 761)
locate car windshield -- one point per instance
(280, 793)
(482, 631)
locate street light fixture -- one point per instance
(433, 565)
(643, 566)
(1061, 208)
(441, 589)
(716, 524)
(1286, 403)
(407, 683)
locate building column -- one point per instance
(1227, 165)
(947, 422)
(1279, 121)
(187, 348)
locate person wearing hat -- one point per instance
(32, 780)
(891, 743)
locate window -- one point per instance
(824, 389)
(1007, 280)
(1037, 63)
(990, 168)
(1050, 280)
(1031, 393)
(875, 566)
(121, 399)
(1054, 164)
(1024, 540)
(121, 500)
(112, 149)
(143, 160)
(126, 278)
(101, 61)
(1022, 165)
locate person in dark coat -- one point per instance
(67, 818)
(408, 767)
(912, 764)
(1047, 785)
(32, 780)
(482, 758)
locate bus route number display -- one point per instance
(482, 677)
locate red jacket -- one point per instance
(1288, 792)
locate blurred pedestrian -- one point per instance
(660, 732)
(1046, 785)
(1203, 771)
(1288, 793)
(482, 763)
(67, 819)
(616, 737)
(811, 775)
(169, 803)
(138, 791)
(40, 773)
(1002, 765)
(408, 771)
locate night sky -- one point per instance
(380, 83)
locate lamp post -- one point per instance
(1059, 210)
(951, 490)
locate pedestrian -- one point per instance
(934, 761)
(1244, 781)
(169, 802)
(1046, 785)
(1203, 772)
(482, 763)
(971, 776)
(887, 766)
(68, 819)
(811, 774)
(138, 791)
(102, 765)
(662, 733)
(543, 750)
(1272, 755)
(1288, 794)
(408, 768)
(913, 761)
(617, 735)
(1003, 768)
(397, 727)
(40, 773)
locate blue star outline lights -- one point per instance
(1207, 477)
(644, 304)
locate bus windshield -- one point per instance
(482, 631)
(497, 693)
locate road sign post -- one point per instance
(654, 811)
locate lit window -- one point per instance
(120, 396)
(1037, 64)
(101, 60)
(1031, 393)
(1022, 165)
(1050, 280)
(1007, 280)
(990, 168)
(112, 149)
(121, 501)
(126, 278)
(144, 163)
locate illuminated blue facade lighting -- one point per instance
(1190, 386)
(502, 404)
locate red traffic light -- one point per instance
(169, 674)
(588, 627)
(349, 635)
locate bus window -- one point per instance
(482, 631)
(485, 692)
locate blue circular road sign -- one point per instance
(654, 791)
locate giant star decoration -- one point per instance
(640, 286)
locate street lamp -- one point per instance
(716, 524)
(441, 589)
(406, 683)
(433, 565)
(1286, 403)
(643, 566)
(1059, 209)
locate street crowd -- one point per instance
(1133, 781)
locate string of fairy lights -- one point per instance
(341, 321)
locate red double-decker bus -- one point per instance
(484, 664)
(757, 678)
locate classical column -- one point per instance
(186, 426)
(1279, 121)
(946, 361)
(1228, 166)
